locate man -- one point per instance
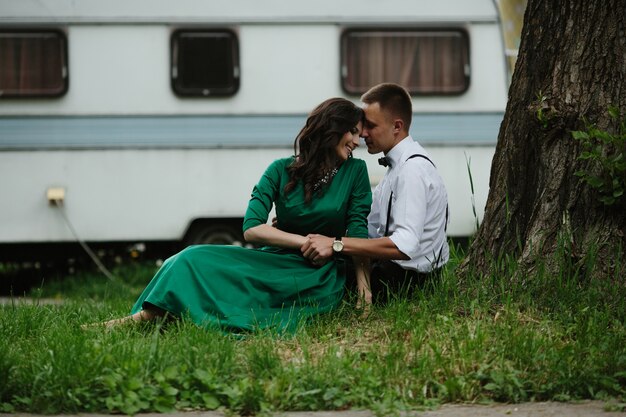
(409, 216)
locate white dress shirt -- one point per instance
(418, 219)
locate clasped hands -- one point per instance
(318, 249)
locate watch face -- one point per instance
(337, 245)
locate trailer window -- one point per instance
(205, 63)
(423, 61)
(33, 63)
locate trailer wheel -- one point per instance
(212, 234)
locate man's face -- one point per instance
(378, 129)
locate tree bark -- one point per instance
(571, 67)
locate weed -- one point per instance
(544, 112)
(468, 162)
(607, 152)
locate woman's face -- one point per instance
(349, 141)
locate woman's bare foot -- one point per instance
(143, 315)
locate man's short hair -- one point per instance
(392, 98)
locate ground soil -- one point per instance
(543, 409)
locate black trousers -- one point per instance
(390, 281)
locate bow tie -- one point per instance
(384, 161)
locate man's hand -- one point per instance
(318, 248)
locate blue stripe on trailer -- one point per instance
(92, 132)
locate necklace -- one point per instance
(324, 180)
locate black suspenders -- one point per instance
(417, 155)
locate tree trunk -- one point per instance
(571, 67)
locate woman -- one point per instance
(321, 190)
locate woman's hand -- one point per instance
(318, 248)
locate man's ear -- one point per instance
(398, 126)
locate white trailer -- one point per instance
(152, 120)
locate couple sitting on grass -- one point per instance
(325, 214)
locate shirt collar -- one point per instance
(395, 154)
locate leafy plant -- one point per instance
(606, 150)
(544, 112)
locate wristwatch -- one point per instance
(337, 245)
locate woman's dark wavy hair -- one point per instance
(317, 141)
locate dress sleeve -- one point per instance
(263, 196)
(360, 203)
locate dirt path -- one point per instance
(550, 409)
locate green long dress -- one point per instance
(238, 288)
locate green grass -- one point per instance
(482, 339)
